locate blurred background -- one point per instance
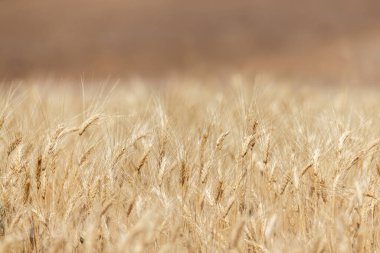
(329, 41)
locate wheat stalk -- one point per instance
(87, 124)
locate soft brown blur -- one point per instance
(329, 40)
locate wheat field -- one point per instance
(247, 166)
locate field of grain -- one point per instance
(250, 166)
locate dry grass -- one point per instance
(240, 168)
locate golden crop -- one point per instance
(247, 167)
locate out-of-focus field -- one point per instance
(206, 142)
(334, 41)
(251, 167)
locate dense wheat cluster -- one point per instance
(247, 167)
